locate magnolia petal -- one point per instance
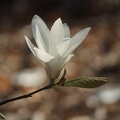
(66, 30)
(63, 45)
(51, 69)
(48, 71)
(76, 40)
(43, 56)
(30, 45)
(63, 61)
(44, 31)
(71, 49)
(57, 31)
(68, 59)
(56, 35)
(60, 65)
(39, 40)
(80, 36)
(60, 75)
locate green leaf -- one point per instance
(86, 82)
(2, 116)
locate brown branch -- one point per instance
(26, 95)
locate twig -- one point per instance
(26, 95)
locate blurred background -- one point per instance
(98, 55)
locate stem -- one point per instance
(26, 95)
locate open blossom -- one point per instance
(54, 47)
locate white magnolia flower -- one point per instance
(54, 47)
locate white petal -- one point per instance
(32, 48)
(53, 69)
(71, 49)
(56, 35)
(80, 36)
(60, 65)
(44, 31)
(66, 30)
(76, 40)
(43, 56)
(39, 40)
(63, 45)
(30, 45)
(68, 59)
